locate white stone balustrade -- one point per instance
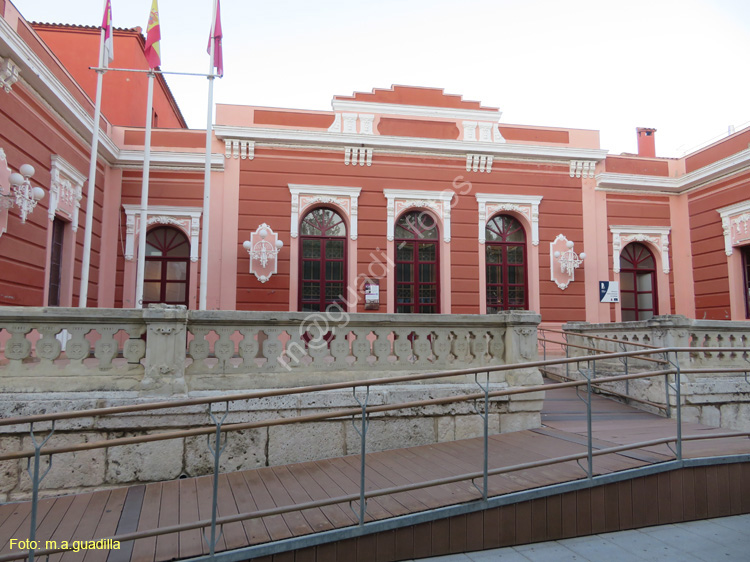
(125, 357)
(50, 349)
(718, 399)
(47, 350)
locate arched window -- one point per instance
(322, 261)
(507, 264)
(417, 263)
(167, 266)
(637, 283)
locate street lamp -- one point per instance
(22, 193)
(569, 260)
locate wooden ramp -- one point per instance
(689, 493)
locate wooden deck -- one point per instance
(106, 513)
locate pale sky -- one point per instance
(679, 66)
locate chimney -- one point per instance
(646, 142)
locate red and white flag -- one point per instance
(218, 62)
(153, 37)
(109, 44)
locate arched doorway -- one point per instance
(506, 265)
(322, 261)
(638, 295)
(167, 267)
(417, 253)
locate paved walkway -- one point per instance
(725, 538)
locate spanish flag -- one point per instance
(153, 37)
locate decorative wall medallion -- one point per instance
(263, 248)
(564, 261)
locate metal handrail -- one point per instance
(364, 411)
(384, 491)
(317, 388)
(661, 361)
(164, 436)
(599, 338)
(609, 391)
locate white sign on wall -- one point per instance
(609, 291)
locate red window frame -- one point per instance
(325, 224)
(424, 230)
(504, 227)
(633, 262)
(168, 240)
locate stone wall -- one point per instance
(54, 360)
(714, 398)
(265, 446)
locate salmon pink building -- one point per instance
(399, 200)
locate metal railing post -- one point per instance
(624, 361)
(216, 450)
(567, 365)
(589, 433)
(485, 415)
(666, 389)
(362, 432)
(36, 479)
(677, 390)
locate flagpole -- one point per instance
(91, 192)
(207, 172)
(144, 196)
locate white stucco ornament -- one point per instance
(263, 248)
(564, 261)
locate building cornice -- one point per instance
(179, 161)
(497, 198)
(39, 80)
(296, 189)
(691, 181)
(164, 210)
(419, 194)
(451, 113)
(408, 144)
